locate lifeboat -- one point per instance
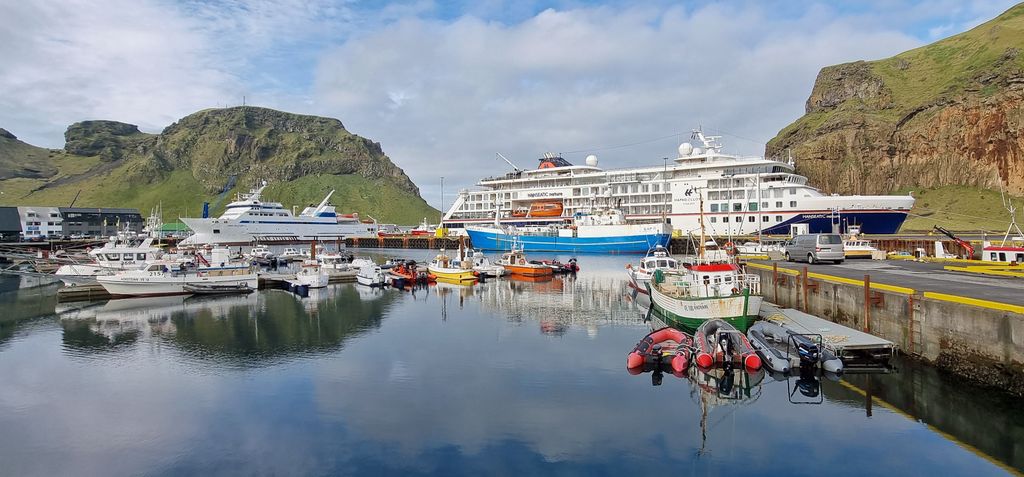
(517, 264)
(719, 343)
(667, 345)
(545, 208)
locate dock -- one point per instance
(859, 351)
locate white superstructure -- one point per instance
(250, 219)
(741, 195)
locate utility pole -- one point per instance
(441, 222)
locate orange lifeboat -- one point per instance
(545, 208)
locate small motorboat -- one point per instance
(657, 258)
(261, 253)
(290, 254)
(783, 350)
(719, 343)
(360, 263)
(372, 276)
(405, 273)
(559, 267)
(442, 266)
(484, 267)
(312, 275)
(209, 289)
(664, 346)
(517, 264)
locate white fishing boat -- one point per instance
(372, 276)
(123, 251)
(743, 195)
(361, 263)
(689, 296)
(335, 263)
(312, 275)
(249, 218)
(657, 259)
(484, 267)
(164, 277)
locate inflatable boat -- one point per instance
(782, 349)
(719, 343)
(663, 346)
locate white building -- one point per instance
(40, 222)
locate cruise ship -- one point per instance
(249, 219)
(739, 195)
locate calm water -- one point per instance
(506, 378)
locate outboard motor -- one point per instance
(657, 376)
(808, 384)
(807, 350)
(726, 345)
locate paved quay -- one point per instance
(921, 276)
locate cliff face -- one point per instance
(949, 113)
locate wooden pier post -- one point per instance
(775, 281)
(803, 276)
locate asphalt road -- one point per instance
(923, 277)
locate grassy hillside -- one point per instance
(960, 208)
(112, 164)
(19, 159)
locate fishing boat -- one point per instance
(855, 246)
(312, 274)
(782, 350)
(517, 264)
(291, 254)
(697, 293)
(261, 252)
(124, 251)
(657, 258)
(372, 276)
(718, 343)
(165, 277)
(483, 266)
(443, 266)
(603, 231)
(663, 346)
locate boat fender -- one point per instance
(704, 360)
(679, 362)
(752, 362)
(735, 290)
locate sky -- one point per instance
(445, 85)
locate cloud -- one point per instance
(444, 96)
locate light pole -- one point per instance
(440, 223)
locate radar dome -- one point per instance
(592, 160)
(697, 151)
(685, 149)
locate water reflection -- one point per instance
(242, 330)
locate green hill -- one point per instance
(112, 164)
(946, 114)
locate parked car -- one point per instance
(815, 248)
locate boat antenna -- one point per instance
(514, 167)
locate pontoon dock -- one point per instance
(858, 350)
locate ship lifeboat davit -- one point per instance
(661, 346)
(718, 342)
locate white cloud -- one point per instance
(582, 79)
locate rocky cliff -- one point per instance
(949, 113)
(206, 155)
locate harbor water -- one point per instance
(503, 378)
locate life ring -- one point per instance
(522, 261)
(730, 248)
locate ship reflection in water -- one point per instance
(503, 376)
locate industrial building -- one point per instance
(41, 222)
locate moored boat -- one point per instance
(312, 274)
(689, 297)
(657, 258)
(170, 278)
(483, 266)
(600, 232)
(664, 346)
(443, 266)
(372, 276)
(782, 350)
(208, 289)
(517, 264)
(717, 342)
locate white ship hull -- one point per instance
(161, 284)
(241, 232)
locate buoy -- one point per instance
(704, 360)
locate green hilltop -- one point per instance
(208, 156)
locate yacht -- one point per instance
(741, 196)
(249, 219)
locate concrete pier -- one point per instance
(973, 336)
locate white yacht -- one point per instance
(250, 219)
(164, 277)
(741, 195)
(123, 251)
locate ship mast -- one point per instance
(700, 249)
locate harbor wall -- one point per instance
(978, 340)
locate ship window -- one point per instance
(764, 218)
(216, 231)
(725, 219)
(777, 193)
(718, 280)
(792, 203)
(792, 191)
(752, 206)
(737, 194)
(751, 218)
(113, 257)
(736, 207)
(714, 207)
(127, 256)
(726, 195)
(764, 205)
(778, 204)
(715, 220)
(1020, 257)
(993, 255)
(1002, 256)
(140, 256)
(778, 218)
(713, 195)
(713, 184)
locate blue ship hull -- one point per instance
(486, 240)
(870, 222)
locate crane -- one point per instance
(959, 241)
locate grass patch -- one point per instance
(960, 208)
